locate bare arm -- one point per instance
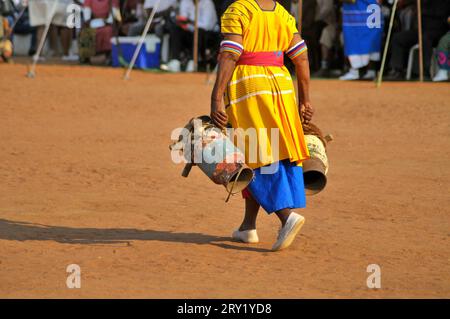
(226, 65)
(303, 78)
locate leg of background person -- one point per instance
(186, 43)
(175, 43)
(66, 40)
(324, 70)
(251, 213)
(325, 56)
(33, 45)
(23, 27)
(327, 40)
(53, 36)
(401, 44)
(39, 33)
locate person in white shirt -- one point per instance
(182, 35)
(144, 10)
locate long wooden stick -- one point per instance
(32, 71)
(419, 19)
(300, 15)
(386, 46)
(141, 41)
(195, 49)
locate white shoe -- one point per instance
(441, 76)
(351, 75)
(288, 232)
(190, 66)
(174, 66)
(370, 75)
(70, 58)
(246, 236)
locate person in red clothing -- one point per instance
(99, 15)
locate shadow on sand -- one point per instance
(22, 231)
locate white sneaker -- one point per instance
(288, 232)
(174, 66)
(246, 236)
(70, 58)
(190, 66)
(370, 75)
(441, 76)
(351, 75)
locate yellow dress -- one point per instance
(263, 97)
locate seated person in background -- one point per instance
(362, 44)
(159, 21)
(182, 34)
(99, 15)
(39, 11)
(443, 57)
(23, 27)
(434, 21)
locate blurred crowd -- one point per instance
(345, 37)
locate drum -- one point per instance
(215, 154)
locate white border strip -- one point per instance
(260, 93)
(257, 76)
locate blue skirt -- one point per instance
(282, 188)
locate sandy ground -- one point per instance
(86, 178)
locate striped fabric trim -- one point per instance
(232, 47)
(297, 50)
(258, 76)
(260, 93)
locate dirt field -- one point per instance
(86, 178)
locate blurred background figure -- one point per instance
(40, 11)
(362, 24)
(22, 25)
(443, 57)
(160, 22)
(435, 14)
(319, 31)
(99, 15)
(182, 34)
(132, 14)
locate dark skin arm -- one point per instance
(227, 64)
(303, 78)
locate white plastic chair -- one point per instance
(411, 61)
(433, 64)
